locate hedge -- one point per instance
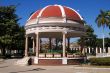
(100, 61)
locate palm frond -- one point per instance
(103, 19)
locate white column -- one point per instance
(37, 44)
(37, 49)
(100, 50)
(89, 50)
(85, 50)
(26, 46)
(109, 50)
(96, 50)
(64, 44)
(15, 51)
(64, 60)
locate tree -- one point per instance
(10, 31)
(99, 42)
(103, 19)
(18, 39)
(89, 39)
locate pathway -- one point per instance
(8, 67)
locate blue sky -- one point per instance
(88, 9)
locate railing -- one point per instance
(50, 55)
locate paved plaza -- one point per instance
(8, 66)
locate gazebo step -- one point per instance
(23, 61)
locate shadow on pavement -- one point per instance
(3, 66)
(37, 69)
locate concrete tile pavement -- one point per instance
(8, 67)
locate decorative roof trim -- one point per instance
(40, 13)
(31, 16)
(76, 12)
(62, 10)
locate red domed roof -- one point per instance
(57, 11)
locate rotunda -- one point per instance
(53, 21)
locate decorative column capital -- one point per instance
(36, 33)
(26, 35)
(65, 32)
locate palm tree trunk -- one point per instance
(103, 40)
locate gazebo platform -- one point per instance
(57, 61)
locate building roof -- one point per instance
(56, 11)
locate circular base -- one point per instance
(50, 61)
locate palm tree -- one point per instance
(108, 12)
(103, 19)
(109, 16)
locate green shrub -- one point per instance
(100, 61)
(54, 51)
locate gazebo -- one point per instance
(53, 21)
